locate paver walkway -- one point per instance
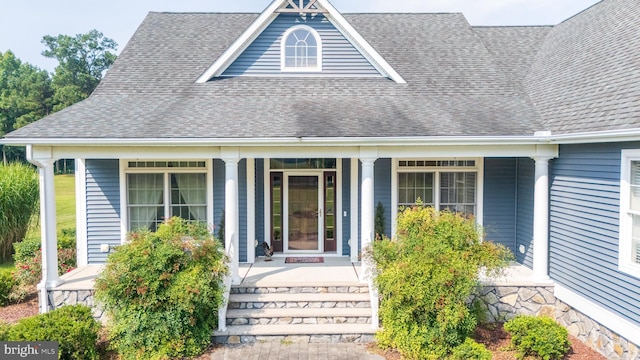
(295, 351)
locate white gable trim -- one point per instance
(267, 17)
(361, 44)
(241, 44)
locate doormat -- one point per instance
(304, 260)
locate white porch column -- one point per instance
(251, 210)
(367, 210)
(232, 217)
(49, 238)
(541, 220)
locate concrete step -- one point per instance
(299, 300)
(288, 289)
(236, 334)
(299, 316)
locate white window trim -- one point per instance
(283, 53)
(125, 169)
(625, 243)
(479, 169)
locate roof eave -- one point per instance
(288, 141)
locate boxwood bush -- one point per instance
(425, 278)
(162, 290)
(538, 336)
(7, 283)
(73, 327)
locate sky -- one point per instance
(23, 23)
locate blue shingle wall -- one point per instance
(103, 207)
(262, 57)
(500, 201)
(584, 227)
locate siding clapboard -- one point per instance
(500, 201)
(382, 188)
(103, 207)
(218, 194)
(584, 227)
(340, 57)
(524, 211)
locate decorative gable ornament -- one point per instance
(301, 8)
(278, 7)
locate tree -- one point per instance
(82, 61)
(25, 96)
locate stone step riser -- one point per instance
(301, 290)
(299, 320)
(300, 305)
(301, 338)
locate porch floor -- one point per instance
(335, 271)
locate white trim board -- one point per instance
(605, 317)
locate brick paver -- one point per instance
(295, 351)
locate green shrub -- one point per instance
(19, 198)
(4, 331)
(7, 283)
(471, 350)
(73, 327)
(538, 336)
(162, 291)
(28, 260)
(425, 278)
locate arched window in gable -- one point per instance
(301, 50)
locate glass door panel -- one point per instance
(303, 216)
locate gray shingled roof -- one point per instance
(455, 87)
(587, 74)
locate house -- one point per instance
(290, 126)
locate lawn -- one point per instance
(65, 205)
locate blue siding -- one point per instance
(382, 186)
(218, 205)
(262, 57)
(103, 207)
(218, 194)
(346, 206)
(260, 197)
(584, 227)
(500, 201)
(524, 212)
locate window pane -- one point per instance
(414, 186)
(189, 196)
(635, 240)
(458, 192)
(146, 201)
(635, 185)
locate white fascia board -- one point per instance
(283, 141)
(597, 137)
(360, 43)
(232, 53)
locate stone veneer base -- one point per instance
(505, 302)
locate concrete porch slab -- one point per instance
(81, 278)
(335, 271)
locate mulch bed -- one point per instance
(28, 307)
(497, 340)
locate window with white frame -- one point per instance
(158, 190)
(630, 213)
(301, 50)
(443, 184)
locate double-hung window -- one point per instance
(629, 252)
(444, 184)
(158, 190)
